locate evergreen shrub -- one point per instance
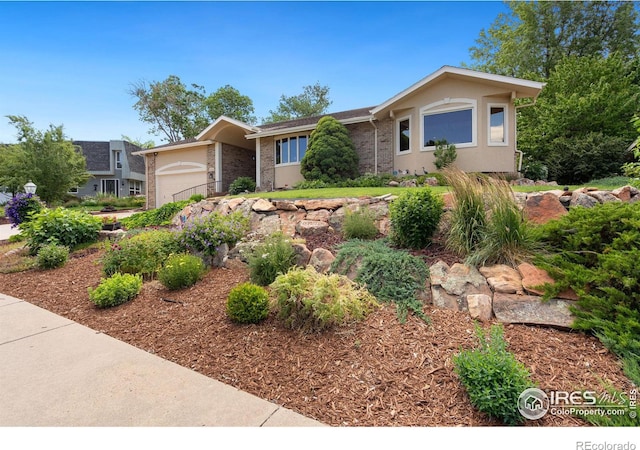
(248, 303)
(115, 290)
(242, 184)
(414, 217)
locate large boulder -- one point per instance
(450, 286)
(502, 278)
(321, 259)
(480, 306)
(534, 279)
(311, 227)
(529, 309)
(541, 208)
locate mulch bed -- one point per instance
(375, 373)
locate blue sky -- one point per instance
(71, 63)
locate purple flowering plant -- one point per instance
(206, 234)
(21, 207)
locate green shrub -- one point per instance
(271, 258)
(154, 217)
(360, 224)
(331, 155)
(143, 253)
(534, 170)
(445, 154)
(115, 290)
(312, 184)
(393, 276)
(309, 301)
(248, 303)
(60, 226)
(51, 256)
(181, 271)
(195, 198)
(242, 184)
(493, 377)
(595, 251)
(415, 216)
(205, 234)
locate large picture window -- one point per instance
(451, 120)
(291, 150)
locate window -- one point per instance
(455, 124)
(110, 187)
(118, 160)
(135, 187)
(497, 125)
(290, 150)
(73, 190)
(403, 135)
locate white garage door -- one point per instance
(172, 179)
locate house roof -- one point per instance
(136, 162)
(185, 143)
(520, 87)
(96, 154)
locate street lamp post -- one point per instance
(30, 187)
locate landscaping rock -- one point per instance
(541, 208)
(311, 227)
(502, 278)
(321, 215)
(480, 306)
(431, 181)
(408, 183)
(289, 219)
(329, 203)
(393, 183)
(529, 309)
(582, 199)
(623, 193)
(221, 256)
(604, 196)
(285, 205)
(451, 286)
(235, 202)
(303, 254)
(321, 259)
(268, 225)
(262, 206)
(533, 278)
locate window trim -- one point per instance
(118, 159)
(135, 185)
(288, 137)
(505, 124)
(116, 184)
(457, 104)
(398, 121)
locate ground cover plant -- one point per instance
(115, 290)
(359, 224)
(51, 256)
(204, 235)
(270, 258)
(154, 217)
(391, 275)
(180, 271)
(595, 251)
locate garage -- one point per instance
(176, 177)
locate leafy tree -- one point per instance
(171, 108)
(139, 142)
(180, 112)
(47, 158)
(227, 101)
(313, 101)
(331, 155)
(581, 125)
(533, 37)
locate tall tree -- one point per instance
(47, 158)
(180, 112)
(228, 101)
(581, 124)
(170, 107)
(533, 37)
(139, 142)
(313, 101)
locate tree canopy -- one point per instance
(47, 158)
(313, 101)
(533, 37)
(331, 154)
(177, 111)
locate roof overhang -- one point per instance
(307, 127)
(222, 122)
(168, 148)
(522, 88)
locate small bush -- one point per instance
(445, 154)
(181, 271)
(360, 224)
(248, 303)
(205, 234)
(271, 258)
(393, 276)
(493, 377)
(22, 208)
(242, 184)
(115, 290)
(51, 256)
(415, 216)
(60, 226)
(535, 170)
(195, 198)
(154, 217)
(143, 253)
(309, 301)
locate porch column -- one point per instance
(258, 163)
(218, 171)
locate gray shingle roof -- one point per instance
(136, 163)
(96, 154)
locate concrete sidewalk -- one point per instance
(55, 372)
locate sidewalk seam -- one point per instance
(36, 334)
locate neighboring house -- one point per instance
(473, 110)
(115, 169)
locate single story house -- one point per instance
(114, 167)
(475, 111)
